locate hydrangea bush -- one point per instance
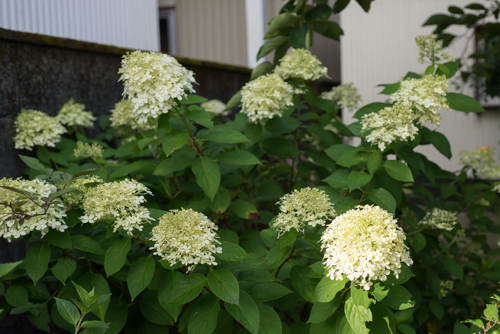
(180, 218)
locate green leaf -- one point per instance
(279, 147)
(338, 179)
(370, 108)
(302, 283)
(374, 162)
(264, 292)
(95, 324)
(280, 24)
(192, 99)
(116, 256)
(398, 298)
(261, 69)
(37, 260)
(224, 135)
(116, 314)
(68, 311)
(327, 289)
(340, 5)
(203, 320)
(152, 310)
(207, 175)
(322, 311)
(439, 141)
(398, 171)
(140, 274)
(419, 242)
(384, 199)
(282, 124)
(264, 50)
(356, 310)
(172, 164)
(231, 252)
(319, 12)
(328, 29)
(142, 143)
(58, 239)
(383, 321)
(244, 209)
(165, 289)
(242, 158)
(221, 201)
(358, 179)
(453, 267)
(491, 312)
(224, 285)
(86, 244)
(436, 308)
(407, 329)
(270, 322)
(187, 289)
(130, 168)
(63, 269)
(365, 4)
(461, 102)
(16, 295)
(6, 268)
(35, 164)
(390, 88)
(234, 101)
(299, 36)
(174, 141)
(200, 116)
(247, 313)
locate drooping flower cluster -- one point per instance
(88, 150)
(429, 47)
(345, 96)
(154, 82)
(482, 161)
(81, 185)
(266, 97)
(21, 214)
(123, 120)
(440, 219)
(307, 206)
(73, 114)
(35, 128)
(214, 106)
(388, 125)
(186, 236)
(366, 245)
(301, 64)
(119, 201)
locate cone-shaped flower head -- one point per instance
(155, 82)
(186, 236)
(123, 120)
(365, 244)
(301, 208)
(35, 128)
(301, 64)
(440, 219)
(88, 150)
(345, 96)
(73, 114)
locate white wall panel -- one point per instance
(123, 23)
(379, 47)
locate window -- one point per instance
(168, 40)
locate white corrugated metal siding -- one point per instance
(379, 47)
(123, 23)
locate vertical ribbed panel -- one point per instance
(123, 23)
(379, 47)
(212, 30)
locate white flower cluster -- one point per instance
(388, 125)
(416, 102)
(301, 64)
(266, 97)
(429, 47)
(123, 120)
(88, 150)
(36, 128)
(301, 208)
(345, 96)
(186, 236)
(81, 185)
(482, 161)
(214, 106)
(154, 82)
(20, 215)
(120, 201)
(440, 219)
(366, 245)
(73, 114)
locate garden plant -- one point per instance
(184, 216)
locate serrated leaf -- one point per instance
(68, 311)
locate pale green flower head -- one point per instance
(88, 150)
(365, 244)
(430, 48)
(119, 201)
(35, 128)
(30, 215)
(214, 106)
(440, 219)
(186, 236)
(266, 97)
(301, 64)
(73, 114)
(155, 82)
(481, 160)
(123, 119)
(389, 125)
(345, 96)
(301, 208)
(81, 185)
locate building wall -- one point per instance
(379, 47)
(124, 23)
(212, 30)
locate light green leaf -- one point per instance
(322, 311)
(491, 312)
(6, 268)
(140, 274)
(68, 311)
(357, 312)
(37, 260)
(327, 289)
(116, 256)
(398, 171)
(244, 209)
(174, 141)
(224, 285)
(207, 175)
